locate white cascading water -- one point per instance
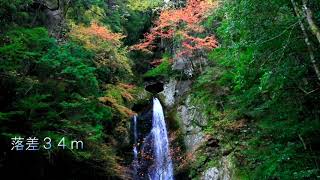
(135, 150)
(162, 169)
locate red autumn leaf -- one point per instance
(183, 21)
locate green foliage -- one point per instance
(285, 155)
(23, 46)
(164, 69)
(258, 89)
(83, 11)
(132, 18)
(13, 11)
(111, 58)
(261, 74)
(143, 5)
(54, 90)
(53, 87)
(71, 64)
(135, 25)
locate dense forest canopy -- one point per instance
(78, 70)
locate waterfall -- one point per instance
(162, 169)
(155, 161)
(135, 150)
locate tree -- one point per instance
(314, 29)
(184, 23)
(262, 73)
(111, 58)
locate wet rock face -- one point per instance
(154, 87)
(189, 116)
(169, 93)
(184, 65)
(174, 90)
(182, 88)
(54, 20)
(193, 120)
(54, 17)
(188, 66)
(221, 173)
(211, 174)
(144, 126)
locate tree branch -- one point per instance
(309, 16)
(306, 40)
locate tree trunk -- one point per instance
(306, 40)
(309, 16)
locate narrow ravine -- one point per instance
(160, 89)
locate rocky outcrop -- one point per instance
(192, 120)
(182, 88)
(183, 65)
(211, 162)
(54, 21)
(189, 67)
(211, 174)
(223, 172)
(174, 90)
(168, 93)
(54, 16)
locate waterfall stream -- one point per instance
(135, 149)
(156, 142)
(163, 164)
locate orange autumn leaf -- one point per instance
(183, 21)
(103, 32)
(126, 86)
(95, 30)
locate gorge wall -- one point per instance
(192, 120)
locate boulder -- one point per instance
(211, 174)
